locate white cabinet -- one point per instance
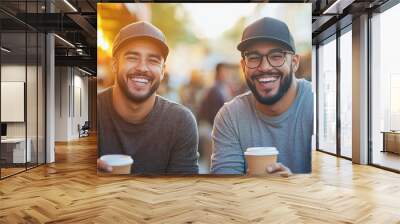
(18, 149)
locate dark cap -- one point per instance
(140, 30)
(267, 29)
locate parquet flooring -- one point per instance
(9, 171)
(69, 191)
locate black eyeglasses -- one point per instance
(276, 58)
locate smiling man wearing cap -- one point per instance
(161, 136)
(278, 112)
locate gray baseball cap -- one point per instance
(268, 29)
(141, 30)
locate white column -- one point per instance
(50, 100)
(50, 92)
(360, 90)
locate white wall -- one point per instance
(61, 103)
(71, 93)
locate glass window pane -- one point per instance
(13, 86)
(41, 98)
(327, 97)
(22, 64)
(385, 89)
(346, 94)
(31, 97)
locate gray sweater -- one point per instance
(165, 143)
(238, 126)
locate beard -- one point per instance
(136, 98)
(285, 83)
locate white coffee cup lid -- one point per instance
(261, 151)
(117, 159)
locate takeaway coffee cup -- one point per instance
(121, 164)
(258, 158)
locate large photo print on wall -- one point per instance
(196, 88)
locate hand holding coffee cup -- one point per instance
(103, 166)
(115, 164)
(279, 169)
(263, 160)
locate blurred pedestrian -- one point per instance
(217, 95)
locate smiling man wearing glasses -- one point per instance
(278, 112)
(161, 136)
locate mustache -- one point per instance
(139, 74)
(258, 75)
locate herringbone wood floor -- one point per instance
(69, 191)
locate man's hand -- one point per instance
(279, 169)
(103, 166)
